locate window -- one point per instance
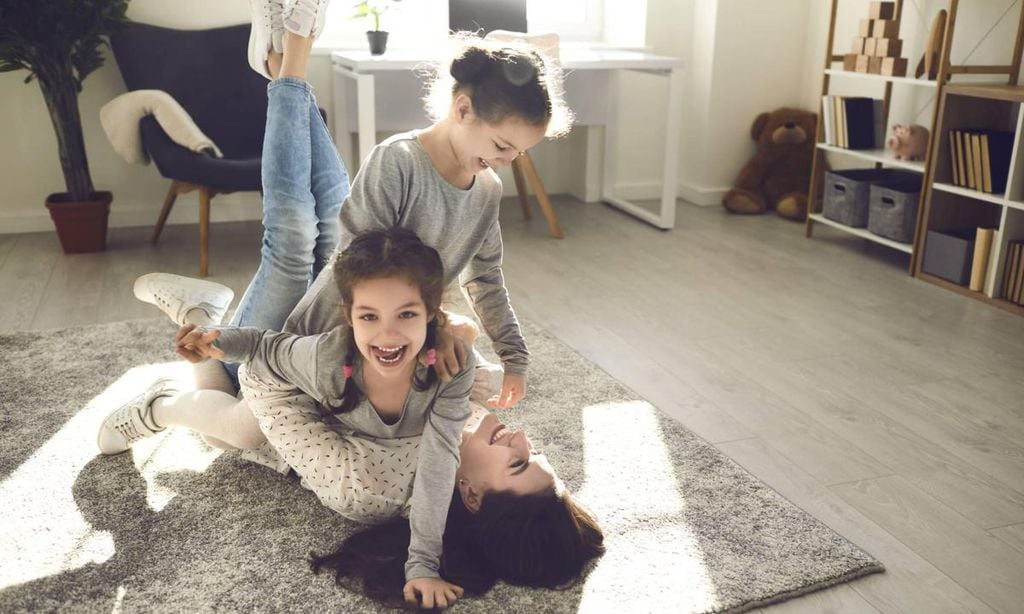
(414, 23)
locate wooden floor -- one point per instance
(890, 409)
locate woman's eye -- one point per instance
(500, 148)
(518, 464)
(406, 315)
(368, 317)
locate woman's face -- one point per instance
(479, 145)
(389, 322)
(495, 458)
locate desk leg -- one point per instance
(367, 119)
(674, 121)
(665, 218)
(342, 128)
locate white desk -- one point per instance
(388, 90)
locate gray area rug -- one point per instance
(177, 526)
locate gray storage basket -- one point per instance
(949, 255)
(847, 193)
(892, 210)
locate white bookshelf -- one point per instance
(878, 156)
(863, 233)
(838, 72)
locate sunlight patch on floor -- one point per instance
(632, 486)
(43, 531)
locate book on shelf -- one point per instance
(993, 265)
(979, 266)
(1010, 269)
(1018, 276)
(952, 158)
(980, 159)
(853, 122)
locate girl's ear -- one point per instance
(463, 107)
(471, 498)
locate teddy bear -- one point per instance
(778, 175)
(908, 142)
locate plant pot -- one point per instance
(81, 226)
(378, 40)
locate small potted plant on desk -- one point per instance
(377, 38)
(57, 42)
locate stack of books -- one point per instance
(980, 159)
(1013, 272)
(853, 122)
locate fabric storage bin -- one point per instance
(949, 255)
(847, 193)
(892, 209)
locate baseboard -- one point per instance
(651, 190)
(236, 207)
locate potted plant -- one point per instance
(373, 9)
(57, 42)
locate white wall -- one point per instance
(743, 57)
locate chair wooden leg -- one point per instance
(542, 197)
(172, 195)
(205, 194)
(524, 196)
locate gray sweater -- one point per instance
(313, 364)
(399, 186)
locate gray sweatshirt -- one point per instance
(399, 186)
(313, 364)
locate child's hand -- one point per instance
(513, 389)
(196, 344)
(432, 592)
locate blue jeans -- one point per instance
(304, 185)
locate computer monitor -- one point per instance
(483, 16)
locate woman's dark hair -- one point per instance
(503, 79)
(539, 540)
(395, 252)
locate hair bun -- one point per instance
(468, 67)
(518, 70)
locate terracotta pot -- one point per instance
(81, 226)
(378, 41)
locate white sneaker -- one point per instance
(306, 17)
(176, 296)
(267, 33)
(133, 420)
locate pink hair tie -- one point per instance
(347, 370)
(431, 356)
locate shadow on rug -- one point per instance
(176, 525)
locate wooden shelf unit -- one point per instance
(950, 207)
(881, 157)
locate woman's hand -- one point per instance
(196, 344)
(513, 389)
(432, 593)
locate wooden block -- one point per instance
(869, 45)
(882, 10)
(884, 28)
(888, 47)
(894, 67)
(867, 26)
(861, 64)
(858, 45)
(875, 65)
(850, 61)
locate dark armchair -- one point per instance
(207, 72)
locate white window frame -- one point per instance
(415, 22)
